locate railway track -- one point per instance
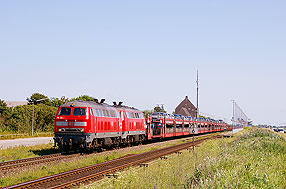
(95, 172)
(6, 166)
(21, 163)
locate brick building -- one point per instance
(186, 108)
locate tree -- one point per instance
(159, 109)
(38, 96)
(3, 107)
(56, 102)
(147, 113)
(84, 98)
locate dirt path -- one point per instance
(25, 142)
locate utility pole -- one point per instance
(33, 121)
(197, 94)
(197, 111)
(233, 106)
(33, 112)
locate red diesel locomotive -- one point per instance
(87, 125)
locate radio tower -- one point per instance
(197, 115)
(197, 111)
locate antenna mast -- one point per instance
(197, 113)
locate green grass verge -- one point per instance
(54, 168)
(255, 158)
(21, 152)
(5, 136)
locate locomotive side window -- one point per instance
(79, 112)
(134, 115)
(91, 111)
(106, 113)
(65, 112)
(100, 112)
(95, 112)
(112, 113)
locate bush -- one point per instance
(19, 119)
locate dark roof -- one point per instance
(186, 108)
(96, 105)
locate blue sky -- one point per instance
(147, 52)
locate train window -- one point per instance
(136, 115)
(105, 113)
(95, 112)
(91, 111)
(79, 112)
(142, 116)
(112, 113)
(100, 113)
(128, 115)
(65, 112)
(109, 113)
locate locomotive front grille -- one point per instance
(71, 130)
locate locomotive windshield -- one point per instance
(65, 112)
(79, 112)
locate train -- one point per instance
(87, 125)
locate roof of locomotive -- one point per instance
(96, 105)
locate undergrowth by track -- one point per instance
(38, 171)
(254, 158)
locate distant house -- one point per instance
(16, 103)
(186, 108)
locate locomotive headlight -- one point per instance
(60, 130)
(81, 130)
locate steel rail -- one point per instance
(5, 166)
(93, 172)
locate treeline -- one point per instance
(19, 119)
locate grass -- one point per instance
(5, 136)
(54, 168)
(254, 158)
(21, 152)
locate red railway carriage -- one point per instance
(162, 125)
(85, 125)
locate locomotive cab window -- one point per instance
(106, 113)
(79, 112)
(65, 112)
